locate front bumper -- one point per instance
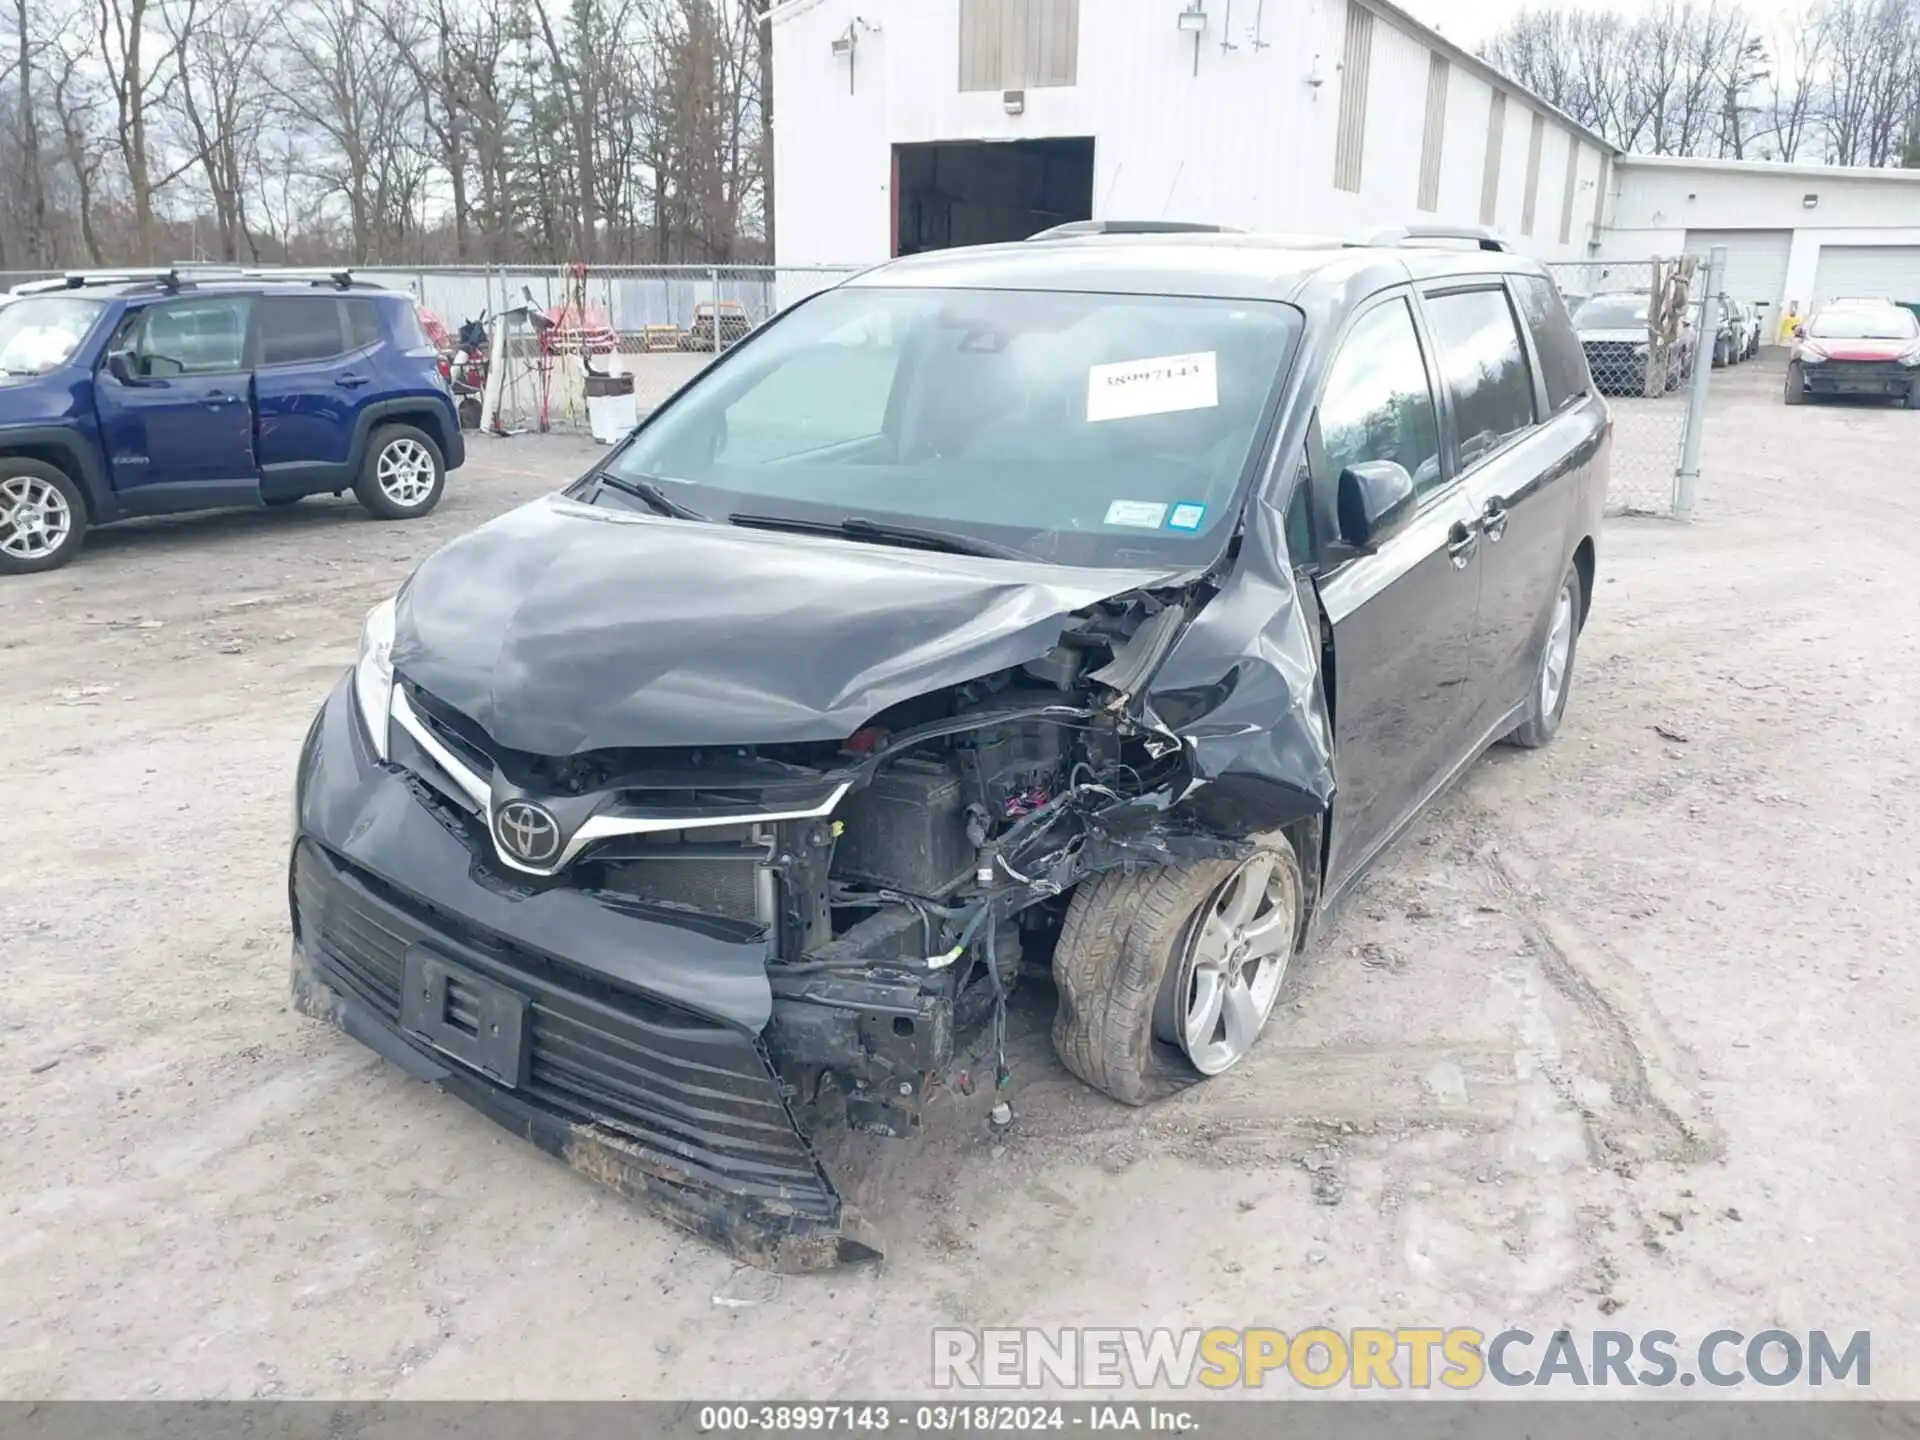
(638, 1070)
(1854, 377)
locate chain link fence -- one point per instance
(560, 335)
(1643, 325)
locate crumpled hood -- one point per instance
(561, 628)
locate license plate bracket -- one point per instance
(465, 1017)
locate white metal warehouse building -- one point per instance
(1796, 235)
(913, 124)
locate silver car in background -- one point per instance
(1615, 333)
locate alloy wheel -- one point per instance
(35, 519)
(1235, 962)
(1559, 650)
(405, 473)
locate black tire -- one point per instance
(1913, 393)
(1796, 384)
(1542, 721)
(32, 477)
(390, 443)
(1119, 959)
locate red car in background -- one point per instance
(1856, 349)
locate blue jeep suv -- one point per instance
(154, 393)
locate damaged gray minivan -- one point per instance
(1100, 604)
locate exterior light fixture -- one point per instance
(1193, 19)
(1809, 201)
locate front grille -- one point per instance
(1887, 374)
(1615, 365)
(701, 1097)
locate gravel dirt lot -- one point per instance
(1622, 1035)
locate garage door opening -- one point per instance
(979, 192)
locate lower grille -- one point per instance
(1866, 375)
(702, 1098)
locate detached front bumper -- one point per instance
(664, 1092)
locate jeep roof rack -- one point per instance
(1481, 237)
(185, 276)
(1134, 227)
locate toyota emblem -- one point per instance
(527, 832)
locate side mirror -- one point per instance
(1375, 498)
(1799, 332)
(120, 366)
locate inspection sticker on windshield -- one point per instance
(1155, 386)
(1187, 515)
(1142, 514)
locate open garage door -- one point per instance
(1756, 264)
(981, 192)
(1892, 271)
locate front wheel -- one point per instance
(403, 474)
(42, 517)
(1553, 672)
(1796, 385)
(1169, 975)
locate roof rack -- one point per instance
(175, 277)
(1134, 227)
(1482, 237)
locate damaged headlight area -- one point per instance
(373, 675)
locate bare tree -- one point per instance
(223, 101)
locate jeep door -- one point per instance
(1403, 615)
(312, 374)
(175, 408)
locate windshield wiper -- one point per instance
(650, 493)
(858, 527)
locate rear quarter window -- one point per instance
(408, 332)
(363, 324)
(1563, 364)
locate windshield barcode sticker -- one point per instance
(1143, 514)
(1155, 386)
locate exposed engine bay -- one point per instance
(897, 920)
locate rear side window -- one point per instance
(300, 328)
(1378, 400)
(1563, 364)
(363, 324)
(1483, 367)
(408, 332)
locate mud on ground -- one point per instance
(1622, 1035)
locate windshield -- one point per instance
(40, 333)
(1890, 323)
(1613, 312)
(1084, 429)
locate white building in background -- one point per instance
(915, 124)
(1795, 234)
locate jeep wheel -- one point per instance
(1169, 975)
(1553, 673)
(42, 517)
(403, 474)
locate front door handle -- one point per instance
(1493, 519)
(217, 397)
(1461, 541)
(351, 382)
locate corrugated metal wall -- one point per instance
(1433, 137)
(1350, 140)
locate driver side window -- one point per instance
(1378, 400)
(202, 336)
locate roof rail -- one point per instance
(166, 275)
(1134, 227)
(339, 276)
(1483, 237)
